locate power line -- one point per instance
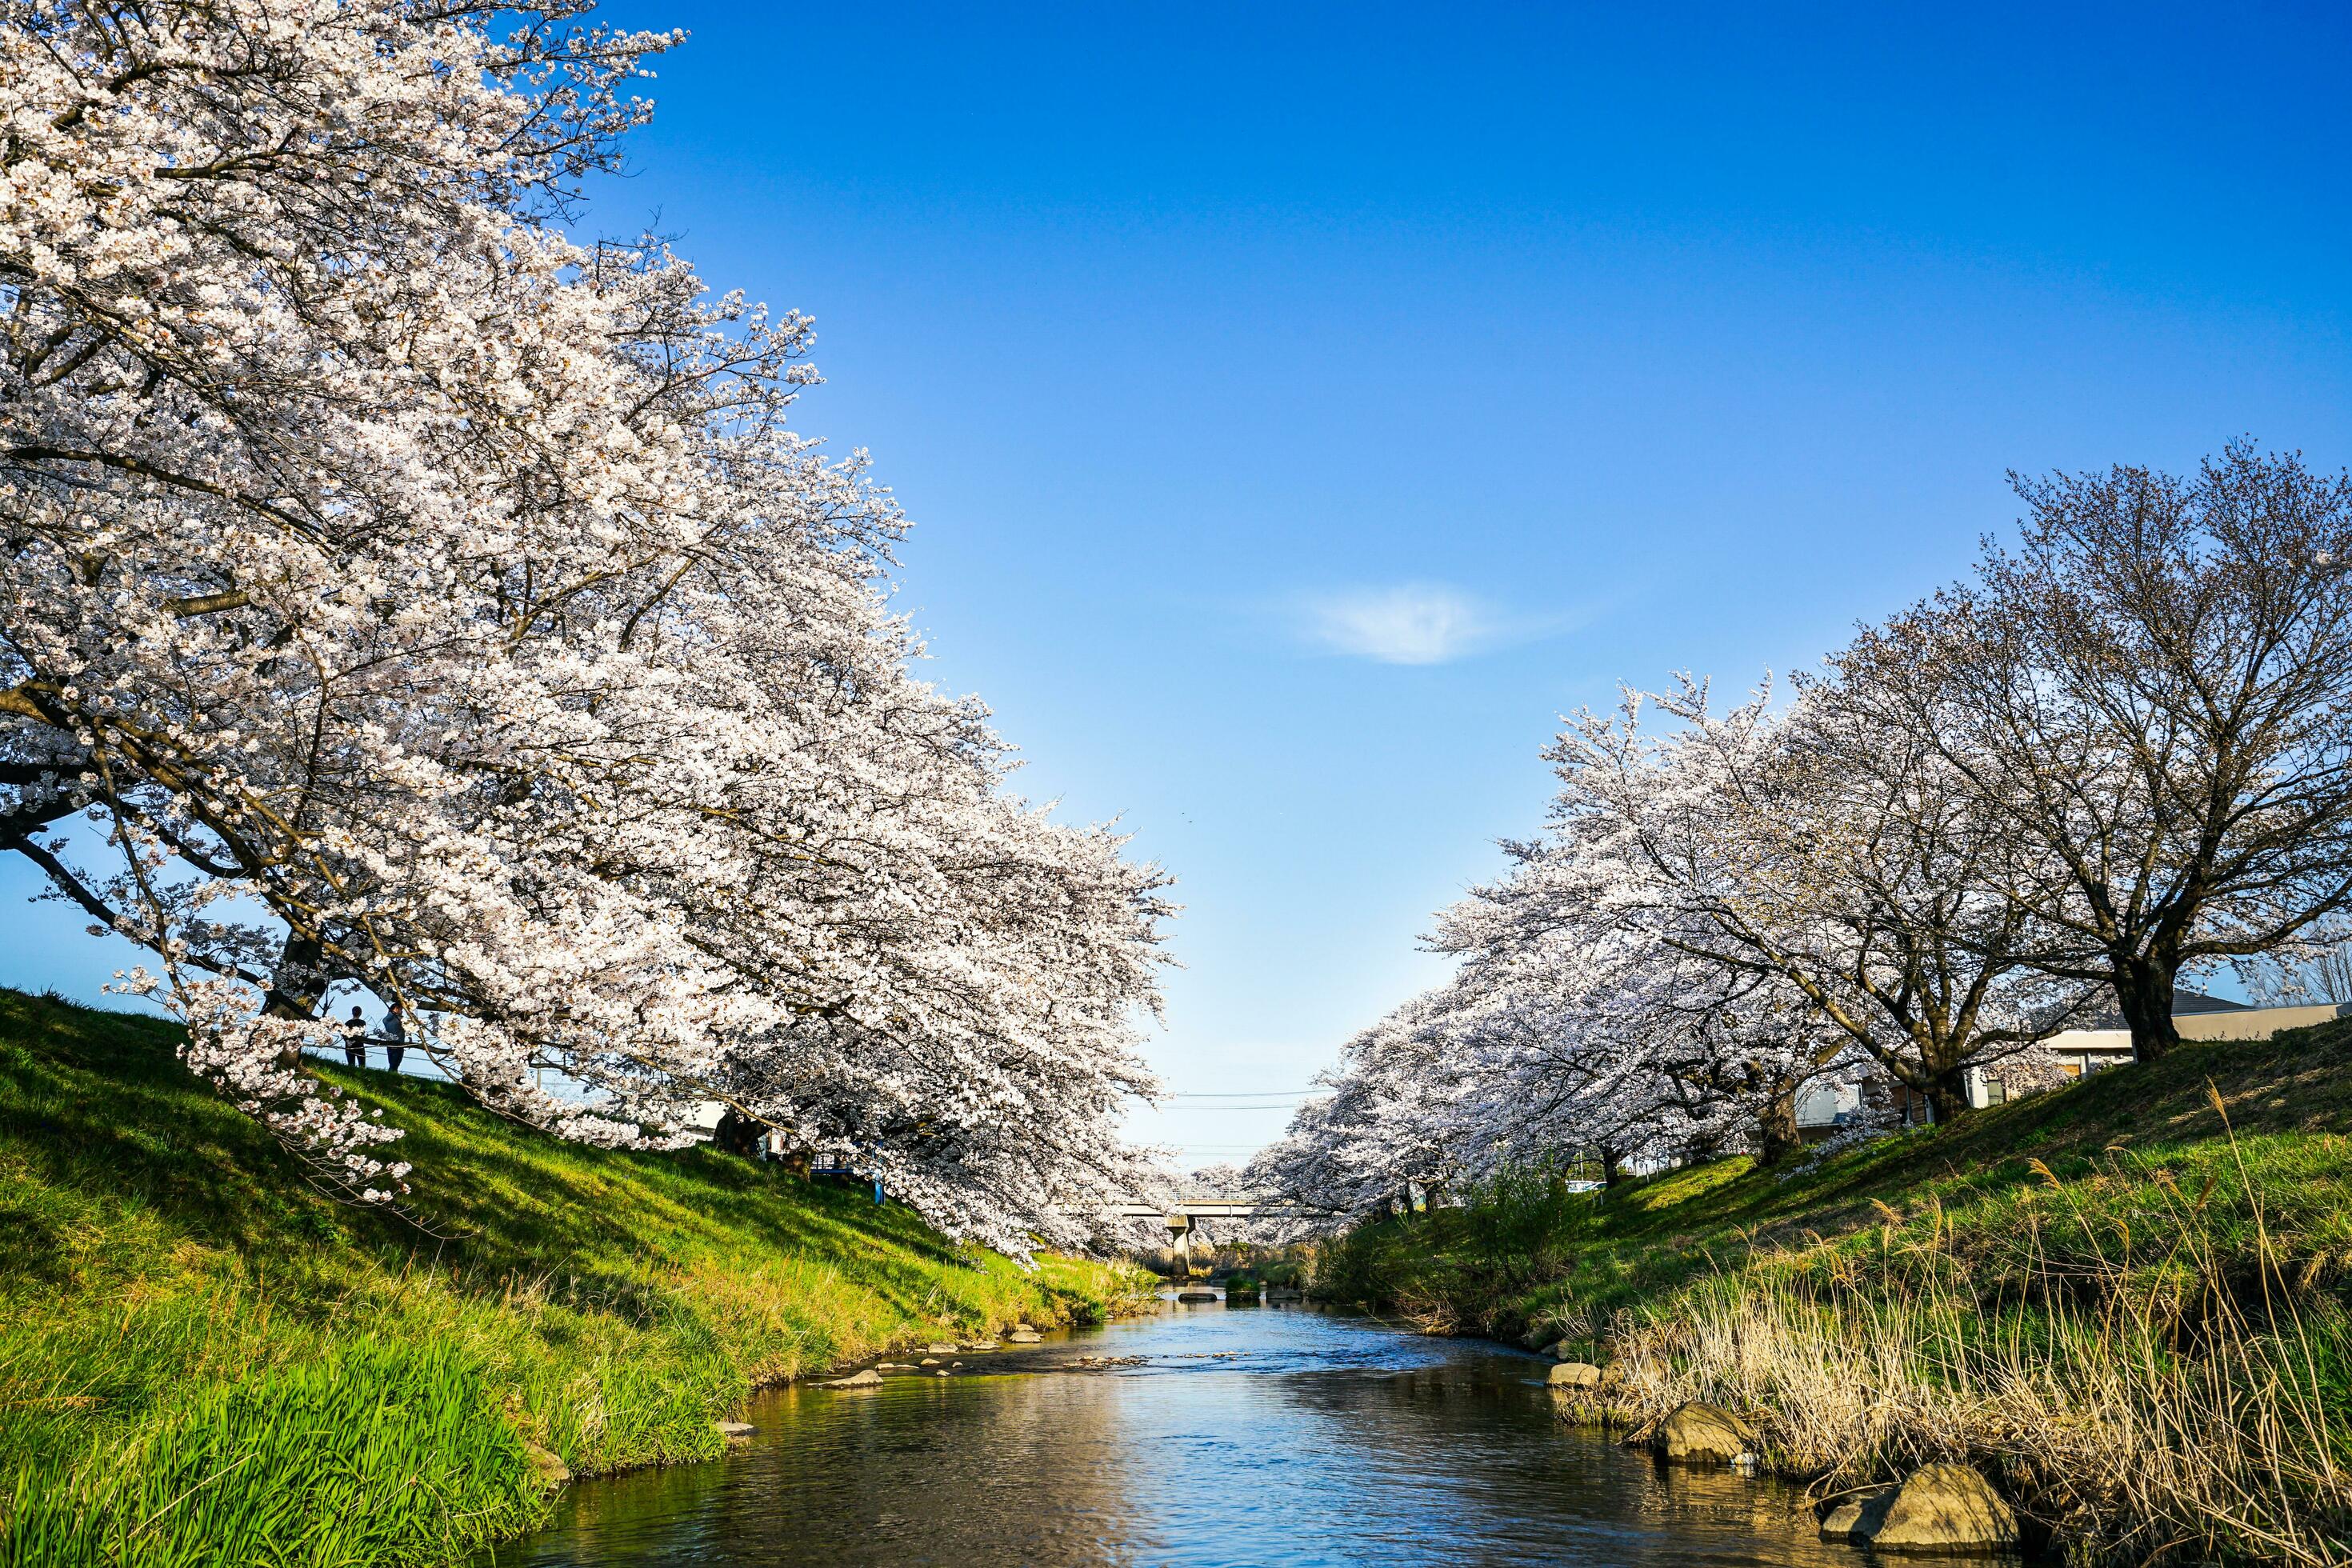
(1245, 1093)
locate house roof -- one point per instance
(2197, 1001)
(2183, 1002)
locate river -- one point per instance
(1238, 1436)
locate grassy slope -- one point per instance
(2089, 1170)
(2134, 1313)
(202, 1360)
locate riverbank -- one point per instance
(202, 1361)
(2126, 1301)
(1197, 1436)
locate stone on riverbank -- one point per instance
(739, 1428)
(938, 1350)
(1702, 1435)
(869, 1378)
(550, 1470)
(1025, 1336)
(1574, 1374)
(1942, 1507)
(1845, 1521)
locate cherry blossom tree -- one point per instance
(2122, 749)
(1559, 1037)
(1309, 1163)
(2153, 694)
(414, 596)
(1601, 1032)
(1842, 857)
(1721, 912)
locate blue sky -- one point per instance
(1299, 407)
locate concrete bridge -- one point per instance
(1180, 1216)
(1190, 1209)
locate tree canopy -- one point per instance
(413, 595)
(2119, 751)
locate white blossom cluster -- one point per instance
(1720, 915)
(249, 1056)
(2120, 753)
(415, 597)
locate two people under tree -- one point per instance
(355, 1039)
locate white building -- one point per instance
(2103, 1042)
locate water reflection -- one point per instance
(1275, 1435)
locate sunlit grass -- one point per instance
(2164, 1407)
(2129, 1298)
(204, 1361)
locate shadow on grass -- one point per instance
(2289, 1105)
(97, 1104)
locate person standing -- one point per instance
(355, 1039)
(396, 1038)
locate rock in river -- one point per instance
(1023, 1336)
(1940, 1508)
(739, 1428)
(869, 1378)
(1703, 1435)
(1847, 1521)
(1574, 1374)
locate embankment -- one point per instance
(2126, 1300)
(202, 1360)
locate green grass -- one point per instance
(2129, 1301)
(2046, 1186)
(204, 1361)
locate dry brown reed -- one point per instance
(2184, 1405)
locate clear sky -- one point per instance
(1299, 407)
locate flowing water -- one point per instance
(1241, 1435)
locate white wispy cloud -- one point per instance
(1411, 622)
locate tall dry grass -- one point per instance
(2182, 1401)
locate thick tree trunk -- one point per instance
(1612, 1171)
(295, 990)
(1776, 1128)
(737, 1134)
(1947, 1094)
(2143, 987)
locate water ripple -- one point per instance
(1241, 1437)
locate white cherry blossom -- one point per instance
(417, 597)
